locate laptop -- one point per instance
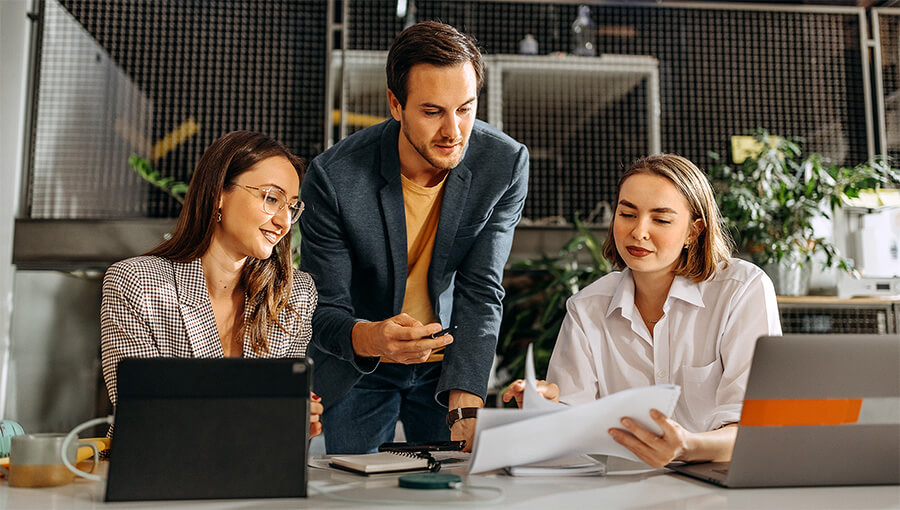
(819, 410)
(210, 429)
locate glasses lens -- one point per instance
(296, 211)
(273, 201)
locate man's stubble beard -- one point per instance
(423, 151)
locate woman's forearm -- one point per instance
(715, 445)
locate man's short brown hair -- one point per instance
(429, 42)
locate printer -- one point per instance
(872, 236)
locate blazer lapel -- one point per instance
(247, 348)
(196, 310)
(455, 192)
(277, 339)
(391, 197)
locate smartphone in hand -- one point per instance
(442, 332)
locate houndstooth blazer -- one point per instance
(155, 307)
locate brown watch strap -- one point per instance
(461, 413)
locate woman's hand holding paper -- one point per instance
(516, 390)
(655, 450)
(675, 443)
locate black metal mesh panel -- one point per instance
(721, 73)
(260, 65)
(79, 166)
(876, 320)
(889, 32)
(221, 64)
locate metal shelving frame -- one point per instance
(821, 314)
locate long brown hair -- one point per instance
(266, 282)
(713, 245)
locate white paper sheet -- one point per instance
(531, 398)
(512, 437)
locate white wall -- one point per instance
(55, 381)
(15, 31)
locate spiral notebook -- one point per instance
(382, 462)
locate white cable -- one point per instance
(461, 487)
(470, 489)
(74, 435)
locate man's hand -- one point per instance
(464, 429)
(517, 388)
(400, 338)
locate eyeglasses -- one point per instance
(274, 201)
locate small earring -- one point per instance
(219, 217)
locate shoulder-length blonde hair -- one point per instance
(267, 282)
(713, 245)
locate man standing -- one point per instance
(408, 226)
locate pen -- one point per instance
(442, 332)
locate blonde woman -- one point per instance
(681, 311)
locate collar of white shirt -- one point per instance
(682, 289)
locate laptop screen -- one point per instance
(210, 428)
(820, 410)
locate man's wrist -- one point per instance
(460, 398)
(462, 405)
(461, 413)
(359, 337)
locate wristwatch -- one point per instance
(461, 413)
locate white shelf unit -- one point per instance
(562, 107)
(358, 78)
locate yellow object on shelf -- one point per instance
(357, 119)
(875, 198)
(173, 139)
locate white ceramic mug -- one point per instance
(35, 460)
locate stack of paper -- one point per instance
(544, 430)
(573, 465)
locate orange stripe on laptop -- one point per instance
(761, 413)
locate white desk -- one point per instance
(624, 487)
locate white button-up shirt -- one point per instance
(704, 342)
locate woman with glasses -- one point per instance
(223, 284)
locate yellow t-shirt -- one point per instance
(423, 210)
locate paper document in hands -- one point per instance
(531, 397)
(512, 437)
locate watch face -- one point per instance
(453, 416)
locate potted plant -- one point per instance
(772, 198)
(535, 302)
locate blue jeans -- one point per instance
(367, 415)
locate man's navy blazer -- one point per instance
(354, 245)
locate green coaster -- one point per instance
(429, 481)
